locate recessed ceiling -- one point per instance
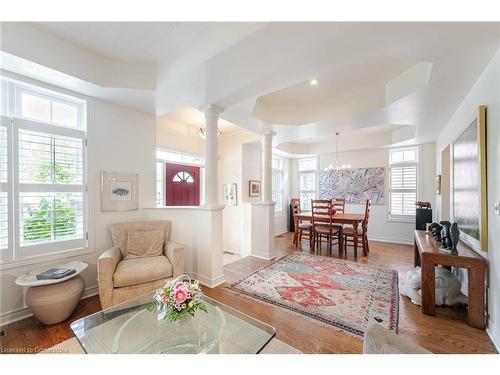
(339, 92)
(191, 120)
(369, 74)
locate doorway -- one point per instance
(182, 185)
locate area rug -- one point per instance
(343, 294)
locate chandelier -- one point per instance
(338, 166)
(204, 135)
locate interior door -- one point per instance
(182, 184)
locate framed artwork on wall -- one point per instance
(119, 191)
(231, 194)
(469, 182)
(254, 188)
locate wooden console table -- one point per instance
(428, 255)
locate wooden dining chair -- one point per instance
(304, 230)
(324, 228)
(339, 205)
(348, 233)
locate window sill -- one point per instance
(45, 258)
(401, 219)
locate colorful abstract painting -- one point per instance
(355, 185)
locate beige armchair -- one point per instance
(123, 275)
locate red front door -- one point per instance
(182, 184)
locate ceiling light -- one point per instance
(338, 166)
(203, 133)
(313, 82)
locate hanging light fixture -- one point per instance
(203, 133)
(338, 165)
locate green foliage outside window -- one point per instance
(50, 217)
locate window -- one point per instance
(307, 182)
(277, 164)
(183, 177)
(42, 138)
(164, 156)
(403, 183)
(178, 157)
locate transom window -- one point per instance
(42, 172)
(183, 177)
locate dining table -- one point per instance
(338, 218)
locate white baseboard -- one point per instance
(391, 240)
(264, 256)
(494, 338)
(211, 283)
(15, 315)
(281, 233)
(24, 312)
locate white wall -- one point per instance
(486, 91)
(281, 219)
(167, 137)
(119, 140)
(239, 162)
(380, 228)
(230, 171)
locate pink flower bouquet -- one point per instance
(178, 299)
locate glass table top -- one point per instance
(129, 328)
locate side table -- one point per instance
(53, 301)
(428, 256)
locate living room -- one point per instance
(341, 198)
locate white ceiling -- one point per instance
(139, 41)
(333, 83)
(193, 119)
(259, 72)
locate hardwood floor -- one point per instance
(447, 332)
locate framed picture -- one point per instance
(231, 194)
(469, 182)
(119, 191)
(254, 188)
(438, 184)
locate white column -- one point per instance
(211, 177)
(267, 167)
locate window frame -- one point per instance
(278, 208)
(201, 165)
(28, 254)
(409, 218)
(305, 206)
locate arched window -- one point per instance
(183, 177)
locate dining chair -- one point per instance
(339, 204)
(324, 228)
(304, 230)
(348, 233)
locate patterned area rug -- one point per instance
(344, 294)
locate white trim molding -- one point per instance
(210, 283)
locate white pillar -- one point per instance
(267, 167)
(211, 177)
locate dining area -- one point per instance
(328, 225)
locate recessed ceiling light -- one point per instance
(313, 82)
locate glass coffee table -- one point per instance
(129, 328)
